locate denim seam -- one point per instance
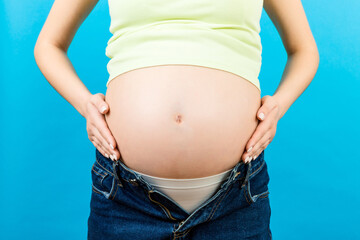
(264, 196)
(167, 212)
(103, 167)
(259, 168)
(98, 172)
(95, 190)
(217, 205)
(212, 210)
(182, 234)
(245, 194)
(117, 187)
(236, 175)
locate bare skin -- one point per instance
(181, 121)
(288, 17)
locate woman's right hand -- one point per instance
(97, 128)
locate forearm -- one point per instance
(60, 73)
(299, 71)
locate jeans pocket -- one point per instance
(257, 184)
(103, 182)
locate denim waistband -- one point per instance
(121, 172)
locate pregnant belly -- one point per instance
(181, 121)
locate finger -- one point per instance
(262, 127)
(97, 121)
(99, 147)
(257, 146)
(248, 156)
(263, 147)
(256, 156)
(104, 143)
(92, 136)
(267, 106)
(271, 133)
(99, 101)
(103, 129)
(260, 131)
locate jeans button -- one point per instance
(133, 182)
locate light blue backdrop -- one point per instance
(46, 157)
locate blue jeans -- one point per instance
(124, 206)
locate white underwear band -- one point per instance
(188, 193)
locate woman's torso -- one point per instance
(181, 121)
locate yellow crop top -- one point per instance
(211, 33)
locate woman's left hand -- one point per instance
(269, 115)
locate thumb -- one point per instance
(101, 105)
(261, 112)
(104, 107)
(264, 109)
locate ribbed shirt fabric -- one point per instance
(210, 33)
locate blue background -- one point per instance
(46, 157)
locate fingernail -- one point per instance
(261, 116)
(249, 149)
(103, 109)
(112, 157)
(246, 159)
(111, 146)
(106, 155)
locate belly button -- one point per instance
(178, 118)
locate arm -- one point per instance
(50, 53)
(290, 21)
(51, 47)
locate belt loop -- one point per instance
(247, 174)
(115, 163)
